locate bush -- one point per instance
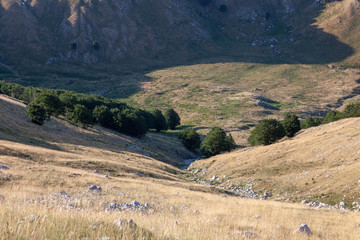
(352, 110)
(51, 103)
(131, 123)
(81, 115)
(37, 113)
(222, 8)
(205, 2)
(96, 45)
(103, 115)
(267, 132)
(332, 116)
(190, 139)
(172, 118)
(291, 124)
(159, 121)
(216, 142)
(310, 122)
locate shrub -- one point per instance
(73, 45)
(310, 122)
(172, 118)
(332, 116)
(96, 45)
(205, 2)
(37, 113)
(352, 110)
(81, 115)
(222, 8)
(190, 139)
(291, 124)
(159, 121)
(216, 142)
(267, 132)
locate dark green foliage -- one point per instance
(352, 110)
(149, 118)
(96, 45)
(73, 46)
(159, 121)
(222, 8)
(310, 122)
(69, 99)
(81, 115)
(205, 2)
(190, 139)
(332, 116)
(172, 118)
(216, 142)
(267, 132)
(37, 113)
(103, 115)
(291, 124)
(131, 123)
(51, 103)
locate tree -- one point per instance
(352, 110)
(159, 121)
(332, 116)
(310, 122)
(51, 103)
(216, 142)
(291, 124)
(222, 8)
(131, 123)
(81, 115)
(103, 115)
(172, 118)
(267, 132)
(37, 113)
(190, 139)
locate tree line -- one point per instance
(87, 109)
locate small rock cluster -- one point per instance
(132, 206)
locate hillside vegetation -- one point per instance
(44, 191)
(319, 163)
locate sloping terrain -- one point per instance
(319, 163)
(46, 173)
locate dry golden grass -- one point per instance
(321, 161)
(178, 209)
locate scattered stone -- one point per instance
(104, 238)
(140, 174)
(64, 194)
(304, 228)
(112, 187)
(257, 216)
(95, 188)
(250, 234)
(4, 167)
(2, 198)
(123, 223)
(96, 171)
(132, 206)
(31, 218)
(220, 118)
(279, 227)
(95, 225)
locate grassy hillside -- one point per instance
(319, 163)
(58, 157)
(243, 93)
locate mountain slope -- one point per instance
(319, 163)
(164, 32)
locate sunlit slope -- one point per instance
(318, 163)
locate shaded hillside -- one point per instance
(153, 33)
(318, 163)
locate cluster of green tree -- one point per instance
(270, 130)
(89, 109)
(215, 142)
(351, 110)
